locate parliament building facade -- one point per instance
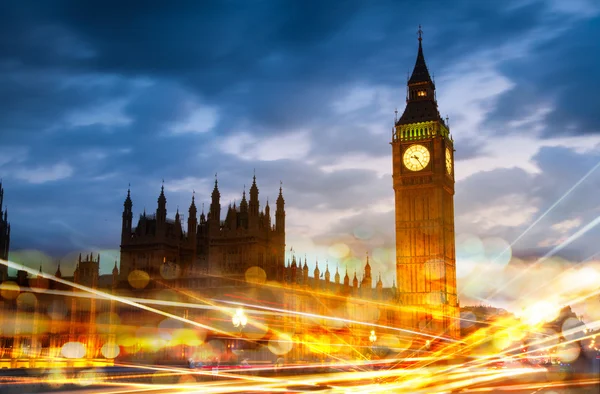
(183, 270)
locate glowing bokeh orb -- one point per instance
(55, 378)
(568, 353)
(110, 350)
(501, 340)
(542, 311)
(167, 327)
(9, 290)
(106, 320)
(73, 350)
(256, 275)
(469, 253)
(497, 251)
(138, 279)
(572, 329)
(339, 250)
(281, 344)
(57, 309)
(26, 300)
(363, 232)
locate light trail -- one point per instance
(340, 319)
(557, 248)
(565, 195)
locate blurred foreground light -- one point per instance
(73, 350)
(568, 353)
(110, 350)
(9, 290)
(138, 279)
(256, 275)
(542, 311)
(339, 250)
(497, 251)
(281, 344)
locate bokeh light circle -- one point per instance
(256, 275)
(110, 350)
(568, 353)
(339, 250)
(497, 251)
(363, 232)
(73, 350)
(138, 279)
(9, 290)
(281, 344)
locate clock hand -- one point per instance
(415, 157)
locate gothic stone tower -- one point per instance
(423, 177)
(4, 237)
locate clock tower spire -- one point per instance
(423, 181)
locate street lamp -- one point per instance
(372, 338)
(239, 320)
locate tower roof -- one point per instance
(420, 72)
(421, 105)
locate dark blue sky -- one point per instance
(99, 94)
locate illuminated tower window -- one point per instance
(422, 93)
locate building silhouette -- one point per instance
(217, 251)
(423, 180)
(4, 236)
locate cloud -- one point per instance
(39, 175)
(249, 147)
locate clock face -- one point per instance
(416, 157)
(448, 161)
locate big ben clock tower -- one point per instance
(423, 176)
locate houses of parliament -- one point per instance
(184, 270)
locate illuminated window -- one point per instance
(422, 93)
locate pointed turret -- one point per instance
(161, 210)
(337, 275)
(192, 221)
(305, 272)
(58, 274)
(115, 275)
(327, 277)
(253, 206)
(280, 213)
(346, 279)
(214, 216)
(367, 280)
(268, 215)
(316, 274)
(355, 281)
(127, 218)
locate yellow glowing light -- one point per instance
(138, 279)
(339, 250)
(73, 350)
(542, 311)
(281, 344)
(110, 350)
(568, 353)
(256, 275)
(9, 290)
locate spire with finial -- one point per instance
(421, 102)
(337, 275)
(115, 270)
(58, 274)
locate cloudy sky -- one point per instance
(95, 95)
